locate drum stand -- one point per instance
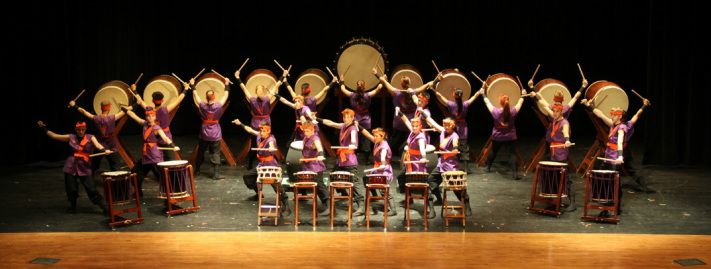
(223, 146)
(298, 186)
(409, 186)
(537, 195)
(540, 150)
(272, 210)
(600, 206)
(170, 200)
(117, 220)
(448, 210)
(598, 146)
(333, 186)
(368, 197)
(122, 149)
(485, 153)
(248, 143)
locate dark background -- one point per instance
(659, 48)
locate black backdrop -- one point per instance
(658, 48)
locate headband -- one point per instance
(557, 107)
(307, 90)
(558, 99)
(157, 102)
(148, 112)
(421, 97)
(304, 127)
(265, 127)
(80, 124)
(298, 97)
(618, 113)
(379, 132)
(348, 111)
(503, 99)
(106, 107)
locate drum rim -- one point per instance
(172, 163)
(455, 72)
(552, 163)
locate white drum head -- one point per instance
(452, 79)
(114, 173)
(297, 145)
(113, 92)
(210, 81)
(609, 97)
(548, 90)
(503, 85)
(316, 78)
(415, 78)
(164, 84)
(173, 163)
(359, 58)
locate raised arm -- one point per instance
(289, 88)
(471, 99)
(196, 96)
(376, 90)
(52, 135)
(578, 94)
(486, 101)
(325, 89)
(383, 79)
(597, 112)
(403, 117)
(243, 87)
(223, 101)
(81, 110)
(546, 107)
(174, 104)
(441, 98)
(639, 112)
(342, 86)
(139, 100)
(520, 100)
(273, 98)
(245, 127)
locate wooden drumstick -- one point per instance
(223, 77)
(581, 71)
(444, 152)
(339, 147)
(181, 81)
(309, 159)
(98, 154)
(535, 72)
(435, 66)
(349, 67)
(559, 146)
(139, 78)
(329, 71)
(477, 77)
(638, 94)
(245, 62)
(606, 159)
(75, 99)
(282, 68)
(269, 149)
(428, 130)
(372, 169)
(166, 148)
(519, 82)
(196, 76)
(288, 69)
(420, 161)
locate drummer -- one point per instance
(558, 137)
(558, 97)
(106, 125)
(78, 165)
(416, 149)
(151, 134)
(381, 156)
(267, 145)
(346, 159)
(504, 131)
(310, 102)
(303, 114)
(449, 143)
(210, 131)
(260, 106)
(402, 99)
(163, 114)
(312, 153)
(360, 102)
(458, 110)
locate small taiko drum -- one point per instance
(178, 184)
(167, 85)
(416, 177)
(260, 77)
(341, 176)
(502, 84)
(549, 176)
(305, 177)
(207, 82)
(292, 158)
(605, 95)
(118, 188)
(378, 179)
(114, 92)
(406, 70)
(454, 179)
(358, 57)
(316, 79)
(547, 88)
(451, 80)
(602, 185)
(268, 173)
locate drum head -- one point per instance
(451, 80)
(258, 77)
(409, 71)
(210, 81)
(549, 163)
(297, 145)
(115, 173)
(359, 56)
(165, 84)
(610, 97)
(114, 92)
(547, 88)
(502, 84)
(173, 163)
(316, 78)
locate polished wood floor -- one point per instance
(305, 249)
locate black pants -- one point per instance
(72, 187)
(114, 164)
(510, 148)
(214, 149)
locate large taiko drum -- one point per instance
(406, 70)
(547, 88)
(178, 185)
(316, 79)
(451, 80)
(359, 56)
(605, 95)
(305, 177)
(210, 81)
(549, 174)
(118, 188)
(603, 185)
(502, 84)
(113, 92)
(167, 85)
(261, 77)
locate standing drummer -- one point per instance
(78, 165)
(260, 106)
(458, 110)
(416, 149)
(310, 102)
(347, 160)
(360, 102)
(402, 99)
(504, 131)
(210, 136)
(559, 97)
(266, 143)
(558, 137)
(303, 114)
(312, 153)
(382, 155)
(162, 114)
(106, 125)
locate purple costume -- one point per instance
(409, 109)
(362, 115)
(459, 118)
(611, 150)
(151, 153)
(414, 153)
(555, 136)
(299, 134)
(447, 162)
(79, 162)
(210, 129)
(377, 151)
(260, 108)
(308, 152)
(107, 126)
(310, 102)
(266, 157)
(162, 120)
(347, 157)
(501, 132)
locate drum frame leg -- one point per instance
(116, 219)
(298, 196)
(425, 188)
(341, 186)
(277, 207)
(446, 206)
(169, 197)
(558, 201)
(612, 208)
(369, 197)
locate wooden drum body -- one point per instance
(341, 176)
(547, 88)
(118, 188)
(359, 56)
(549, 176)
(605, 95)
(113, 92)
(178, 185)
(451, 80)
(167, 85)
(379, 179)
(502, 84)
(317, 79)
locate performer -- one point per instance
(558, 134)
(360, 102)
(406, 105)
(504, 131)
(458, 110)
(106, 125)
(163, 114)
(210, 131)
(313, 161)
(381, 156)
(151, 133)
(267, 145)
(558, 97)
(422, 100)
(448, 142)
(347, 160)
(416, 149)
(310, 102)
(78, 165)
(260, 106)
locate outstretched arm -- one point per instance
(384, 81)
(174, 104)
(325, 89)
(376, 91)
(486, 101)
(639, 112)
(243, 87)
(368, 135)
(245, 127)
(546, 107)
(434, 124)
(139, 100)
(81, 110)
(330, 123)
(520, 100)
(597, 112)
(50, 134)
(133, 115)
(196, 96)
(403, 117)
(578, 94)
(342, 86)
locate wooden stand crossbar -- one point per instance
(122, 149)
(171, 200)
(538, 196)
(114, 212)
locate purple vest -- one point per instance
(344, 140)
(260, 110)
(376, 156)
(460, 120)
(299, 136)
(308, 152)
(106, 126)
(409, 110)
(413, 143)
(450, 163)
(162, 120)
(77, 165)
(152, 153)
(266, 153)
(612, 139)
(311, 103)
(558, 154)
(210, 131)
(362, 115)
(501, 132)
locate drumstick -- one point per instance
(534, 72)
(349, 67)
(75, 99)
(245, 62)
(270, 149)
(308, 159)
(379, 68)
(181, 81)
(638, 94)
(139, 78)
(519, 82)
(606, 159)
(444, 152)
(372, 169)
(428, 130)
(282, 68)
(288, 69)
(420, 161)
(199, 73)
(166, 148)
(563, 145)
(435, 66)
(223, 77)
(581, 71)
(98, 154)
(338, 147)
(477, 77)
